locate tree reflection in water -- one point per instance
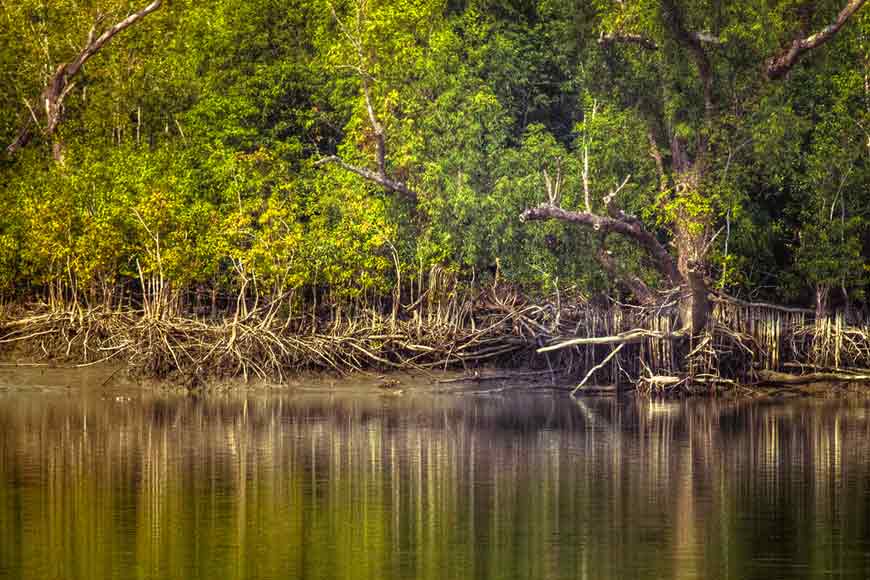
(327, 486)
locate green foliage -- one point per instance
(192, 140)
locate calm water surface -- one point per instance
(368, 486)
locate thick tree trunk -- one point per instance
(692, 233)
(694, 305)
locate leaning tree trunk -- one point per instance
(47, 112)
(683, 272)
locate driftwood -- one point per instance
(598, 367)
(773, 377)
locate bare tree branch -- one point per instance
(615, 221)
(779, 65)
(626, 225)
(378, 178)
(586, 196)
(554, 186)
(60, 83)
(650, 44)
(611, 208)
(94, 46)
(365, 78)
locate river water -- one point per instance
(295, 484)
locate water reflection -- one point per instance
(319, 486)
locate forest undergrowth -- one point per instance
(446, 326)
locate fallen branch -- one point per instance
(633, 336)
(788, 379)
(600, 365)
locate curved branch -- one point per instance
(60, 84)
(366, 79)
(625, 225)
(93, 46)
(630, 337)
(779, 65)
(378, 178)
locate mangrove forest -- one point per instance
(667, 194)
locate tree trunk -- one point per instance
(50, 103)
(57, 149)
(823, 291)
(692, 234)
(694, 305)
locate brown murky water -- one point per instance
(138, 484)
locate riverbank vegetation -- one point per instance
(255, 187)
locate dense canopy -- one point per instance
(346, 147)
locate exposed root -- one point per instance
(618, 345)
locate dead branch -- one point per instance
(380, 176)
(382, 180)
(633, 336)
(600, 365)
(623, 224)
